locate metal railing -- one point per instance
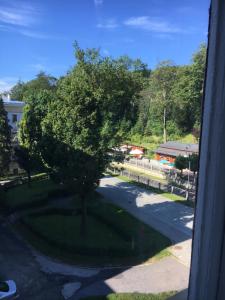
(187, 194)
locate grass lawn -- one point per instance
(133, 296)
(114, 237)
(21, 196)
(170, 196)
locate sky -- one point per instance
(38, 35)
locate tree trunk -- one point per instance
(164, 125)
(83, 228)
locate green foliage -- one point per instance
(194, 162)
(18, 91)
(94, 108)
(21, 91)
(170, 102)
(5, 140)
(27, 161)
(35, 110)
(73, 128)
(181, 163)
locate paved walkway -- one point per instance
(164, 275)
(172, 219)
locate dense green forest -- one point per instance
(167, 108)
(170, 106)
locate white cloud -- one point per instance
(6, 83)
(150, 24)
(20, 15)
(26, 32)
(98, 2)
(108, 24)
(33, 34)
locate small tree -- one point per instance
(194, 163)
(25, 160)
(181, 163)
(5, 140)
(162, 80)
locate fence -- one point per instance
(188, 195)
(170, 174)
(145, 165)
(22, 180)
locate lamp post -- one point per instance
(189, 169)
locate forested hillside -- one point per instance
(170, 104)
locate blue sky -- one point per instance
(38, 35)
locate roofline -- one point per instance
(175, 149)
(14, 103)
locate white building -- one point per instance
(14, 111)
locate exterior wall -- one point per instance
(14, 108)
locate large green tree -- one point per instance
(156, 104)
(94, 107)
(35, 110)
(188, 91)
(5, 140)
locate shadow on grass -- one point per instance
(114, 236)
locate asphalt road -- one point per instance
(172, 219)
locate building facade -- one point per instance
(170, 150)
(14, 111)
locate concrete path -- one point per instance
(164, 275)
(172, 219)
